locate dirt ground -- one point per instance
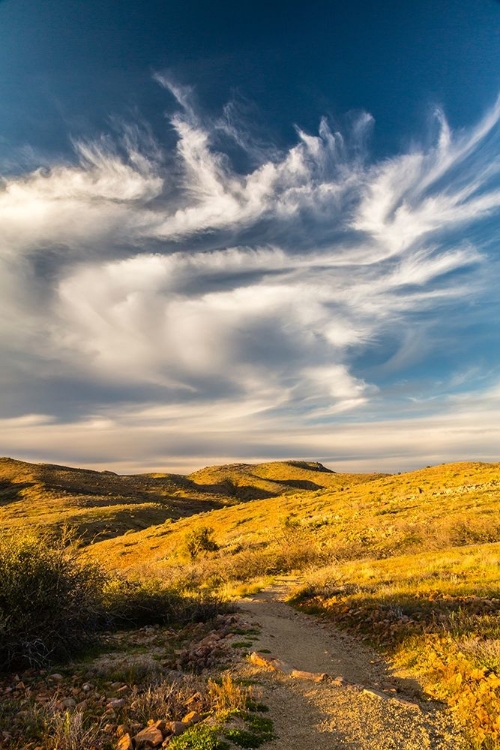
(325, 716)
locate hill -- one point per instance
(409, 563)
(100, 504)
(371, 516)
(104, 504)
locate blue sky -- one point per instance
(242, 232)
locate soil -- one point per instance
(325, 716)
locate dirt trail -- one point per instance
(325, 716)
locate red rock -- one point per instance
(148, 737)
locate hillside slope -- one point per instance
(104, 504)
(433, 508)
(96, 503)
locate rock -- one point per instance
(125, 743)
(299, 674)
(270, 662)
(406, 704)
(148, 737)
(69, 703)
(193, 717)
(161, 725)
(177, 727)
(339, 681)
(116, 703)
(375, 693)
(57, 677)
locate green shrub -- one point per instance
(138, 603)
(53, 603)
(50, 601)
(200, 540)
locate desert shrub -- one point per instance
(472, 693)
(200, 539)
(138, 603)
(50, 600)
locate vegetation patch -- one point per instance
(258, 731)
(437, 614)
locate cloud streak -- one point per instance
(287, 300)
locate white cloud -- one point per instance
(257, 294)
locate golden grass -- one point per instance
(103, 504)
(437, 613)
(452, 505)
(410, 561)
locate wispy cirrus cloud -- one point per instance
(291, 294)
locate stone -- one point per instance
(270, 662)
(375, 693)
(125, 743)
(299, 674)
(339, 681)
(406, 704)
(193, 717)
(57, 677)
(177, 727)
(116, 703)
(161, 725)
(148, 737)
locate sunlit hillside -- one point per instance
(103, 504)
(433, 508)
(408, 562)
(96, 504)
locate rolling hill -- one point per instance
(101, 505)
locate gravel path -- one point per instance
(324, 716)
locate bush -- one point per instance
(137, 603)
(200, 540)
(53, 603)
(50, 601)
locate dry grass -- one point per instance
(103, 505)
(437, 613)
(431, 509)
(410, 561)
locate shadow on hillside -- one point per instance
(303, 484)
(10, 492)
(238, 492)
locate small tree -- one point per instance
(200, 540)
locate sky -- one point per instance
(249, 231)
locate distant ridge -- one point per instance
(103, 504)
